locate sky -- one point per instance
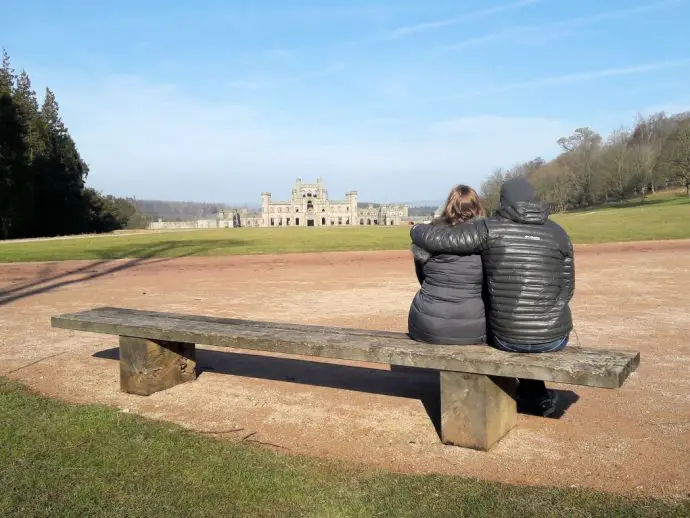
(400, 100)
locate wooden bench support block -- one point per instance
(476, 410)
(148, 366)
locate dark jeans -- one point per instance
(531, 389)
(550, 347)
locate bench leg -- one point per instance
(476, 410)
(148, 366)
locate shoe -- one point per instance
(544, 406)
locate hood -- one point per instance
(518, 203)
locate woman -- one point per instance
(449, 308)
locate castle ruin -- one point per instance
(309, 206)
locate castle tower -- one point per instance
(351, 198)
(265, 203)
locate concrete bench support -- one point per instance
(476, 410)
(148, 366)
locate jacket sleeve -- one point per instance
(569, 270)
(419, 270)
(465, 239)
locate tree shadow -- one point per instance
(132, 257)
(405, 382)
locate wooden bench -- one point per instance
(157, 351)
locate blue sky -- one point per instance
(218, 101)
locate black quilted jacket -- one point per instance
(528, 264)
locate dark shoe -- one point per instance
(544, 406)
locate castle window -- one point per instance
(361, 221)
(296, 209)
(376, 222)
(340, 221)
(323, 221)
(368, 221)
(297, 221)
(272, 222)
(287, 222)
(347, 221)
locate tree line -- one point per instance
(43, 188)
(591, 170)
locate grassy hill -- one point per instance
(664, 216)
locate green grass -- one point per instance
(209, 243)
(58, 459)
(661, 217)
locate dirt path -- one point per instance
(633, 296)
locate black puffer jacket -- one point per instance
(528, 263)
(448, 308)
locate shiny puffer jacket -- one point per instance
(448, 308)
(529, 268)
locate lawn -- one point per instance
(660, 217)
(663, 217)
(58, 459)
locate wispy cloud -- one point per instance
(273, 81)
(549, 28)
(580, 76)
(403, 31)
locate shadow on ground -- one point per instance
(407, 382)
(132, 257)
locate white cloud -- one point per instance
(157, 141)
(580, 76)
(474, 15)
(547, 30)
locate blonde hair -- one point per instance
(462, 205)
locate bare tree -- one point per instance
(581, 153)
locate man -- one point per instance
(530, 278)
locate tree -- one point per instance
(6, 75)
(581, 151)
(641, 161)
(14, 188)
(674, 158)
(614, 161)
(652, 132)
(554, 185)
(490, 190)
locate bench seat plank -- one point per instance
(578, 366)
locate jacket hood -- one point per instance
(518, 203)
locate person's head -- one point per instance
(516, 190)
(462, 205)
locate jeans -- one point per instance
(533, 390)
(550, 347)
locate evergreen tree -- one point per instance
(59, 177)
(14, 187)
(6, 75)
(15, 180)
(42, 175)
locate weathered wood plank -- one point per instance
(476, 410)
(578, 366)
(148, 366)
